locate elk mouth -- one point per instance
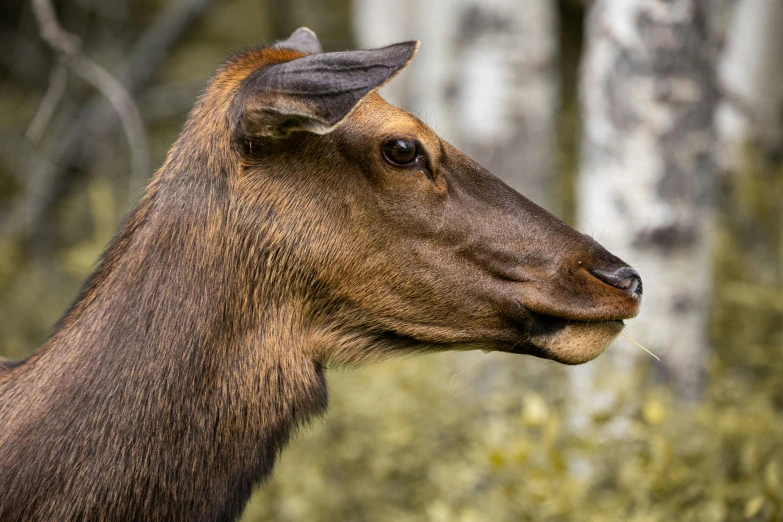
(575, 321)
(567, 341)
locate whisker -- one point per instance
(624, 336)
(458, 375)
(523, 338)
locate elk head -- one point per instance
(395, 239)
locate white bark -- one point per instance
(648, 91)
(751, 78)
(485, 78)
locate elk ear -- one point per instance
(303, 40)
(313, 93)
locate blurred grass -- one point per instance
(747, 319)
(401, 443)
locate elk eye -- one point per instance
(400, 152)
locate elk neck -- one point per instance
(177, 341)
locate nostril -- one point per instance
(625, 278)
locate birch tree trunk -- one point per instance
(648, 93)
(751, 78)
(485, 79)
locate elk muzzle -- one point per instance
(598, 301)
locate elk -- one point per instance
(298, 222)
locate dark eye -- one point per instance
(400, 152)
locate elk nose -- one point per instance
(625, 278)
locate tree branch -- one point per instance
(28, 211)
(54, 93)
(69, 46)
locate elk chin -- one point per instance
(577, 342)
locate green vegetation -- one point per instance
(417, 441)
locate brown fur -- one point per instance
(197, 347)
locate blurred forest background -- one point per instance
(656, 126)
